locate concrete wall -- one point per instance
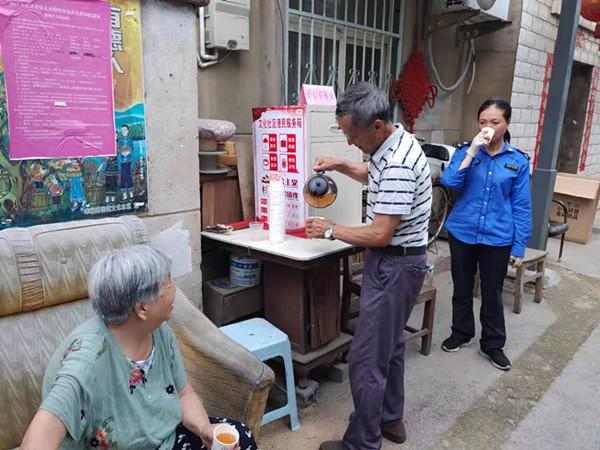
(496, 55)
(249, 79)
(454, 117)
(170, 78)
(441, 124)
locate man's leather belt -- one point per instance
(404, 251)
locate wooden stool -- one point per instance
(427, 296)
(521, 275)
(352, 286)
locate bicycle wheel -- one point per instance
(439, 211)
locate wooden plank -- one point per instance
(284, 302)
(221, 202)
(245, 165)
(324, 303)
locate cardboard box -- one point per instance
(580, 194)
(225, 303)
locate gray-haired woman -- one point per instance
(118, 380)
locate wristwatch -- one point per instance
(329, 232)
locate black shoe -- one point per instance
(497, 358)
(453, 344)
(394, 431)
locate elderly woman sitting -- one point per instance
(118, 380)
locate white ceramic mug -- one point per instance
(225, 429)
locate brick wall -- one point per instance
(536, 40)
(539, 27)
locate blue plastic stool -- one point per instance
(266, 342)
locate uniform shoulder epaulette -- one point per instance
(522, 153)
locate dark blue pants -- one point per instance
(493, 263)
(390, 287)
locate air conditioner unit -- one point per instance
(483, 10)
(228, 24)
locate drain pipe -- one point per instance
(205, 59)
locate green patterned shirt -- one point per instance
(106, 403)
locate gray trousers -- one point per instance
(390, 287)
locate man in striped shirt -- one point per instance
(395, 235)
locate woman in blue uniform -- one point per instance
(488, 228)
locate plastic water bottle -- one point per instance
(276, 208)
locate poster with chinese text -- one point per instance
(38, 191)
(279, 146)
(58, 78)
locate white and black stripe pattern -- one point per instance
(400, 184)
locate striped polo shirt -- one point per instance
(400, 185)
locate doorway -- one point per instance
(575, 115)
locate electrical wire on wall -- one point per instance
(472, 73)
(464, 72)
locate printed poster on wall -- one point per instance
(279, 146)
(35, 191)
(58, 76)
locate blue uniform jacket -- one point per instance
(494, 201)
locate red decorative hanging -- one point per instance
(413, 89)
(590, 10)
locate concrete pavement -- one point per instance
(460, 401)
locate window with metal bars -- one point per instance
(341, 42)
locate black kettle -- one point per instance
(320, 190)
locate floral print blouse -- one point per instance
(104, 401)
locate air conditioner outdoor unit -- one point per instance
(228, 24)
(483, 10)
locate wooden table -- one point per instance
(301, 290)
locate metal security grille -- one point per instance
(341, 42)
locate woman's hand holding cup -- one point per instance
(484, 137)
(225, 437)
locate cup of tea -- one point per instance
(488, 133)
(225, 437)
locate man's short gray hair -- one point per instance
(365, 102)
(122, 278)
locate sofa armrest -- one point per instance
(229, 379)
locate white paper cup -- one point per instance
(488, 132)
(222, 430)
